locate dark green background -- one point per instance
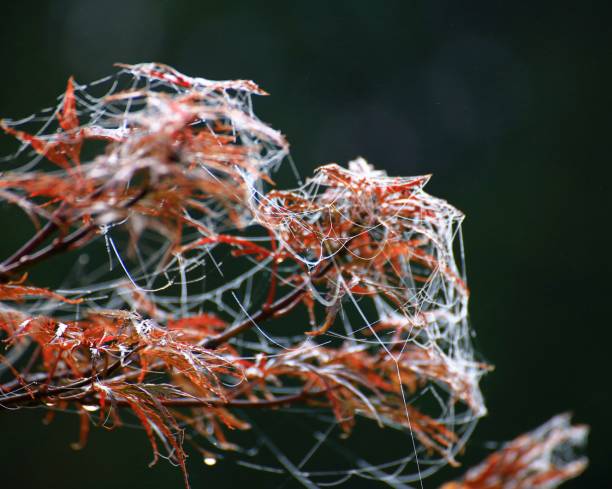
(506, 103)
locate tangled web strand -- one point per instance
(337, 308)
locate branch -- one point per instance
(44, 391)
(283, 304)
(238, 403)
(24, 257)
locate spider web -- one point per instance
(422, 310)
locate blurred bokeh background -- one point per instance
(504, 102)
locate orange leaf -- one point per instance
(67, 118)
(53, 151)
(16, 292)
